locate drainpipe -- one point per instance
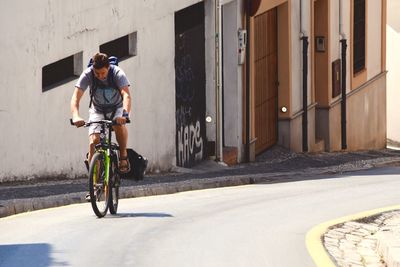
(248, 139)
(304, 38)
(343, 42)
(218, 79)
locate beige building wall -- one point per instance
(393, 67)
(374, 42)
(366, 101)
(368, 131)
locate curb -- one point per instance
(16, 206)
(315, 245)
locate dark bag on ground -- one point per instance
(138, 166)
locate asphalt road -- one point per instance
(256, 225)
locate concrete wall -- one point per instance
(297, 53)
(374, 44)
(335, 46)
(393, 67)
(232, 75)
(368, 131)
(210, 68)
(39, 140)
(366, 118)
(366, 104)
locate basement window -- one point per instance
(61, 72)
(123, 47)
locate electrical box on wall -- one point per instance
(336, 69)
(242, 38)
(320, 43)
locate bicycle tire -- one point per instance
(98, 190)
(114, 192)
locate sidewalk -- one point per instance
(276, 165)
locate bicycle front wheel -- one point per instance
(114, 189)
(99, 189)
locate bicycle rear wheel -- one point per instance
(114, 192)
(99, 189)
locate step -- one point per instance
(230, 155)
(319, 146)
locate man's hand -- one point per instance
(78, 121)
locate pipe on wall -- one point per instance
(344, 97)
(248, 138)
(304, 38)
(305, 94)
(341, 33)
(343, 104)
(218, 80)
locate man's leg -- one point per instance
(94, 139)
(121, 134)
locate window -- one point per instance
(359, 36)
(62, 71)
(123, 47)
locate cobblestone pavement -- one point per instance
(368, 242)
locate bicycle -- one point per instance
(104, 177)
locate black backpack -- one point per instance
(138, 165)
(110, 79)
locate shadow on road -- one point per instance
(16, 255)
(136, 215)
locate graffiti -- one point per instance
(190, 88)
(184, 79)
(183, 115)
(190, 144)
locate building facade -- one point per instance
(224, 80)
(393, 67)
(327, 91)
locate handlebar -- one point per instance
(107, 122)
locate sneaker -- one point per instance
(87, 197)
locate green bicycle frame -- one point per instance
(106, 155)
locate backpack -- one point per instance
(138, 165)
(110, 79)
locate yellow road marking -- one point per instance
(314, 243)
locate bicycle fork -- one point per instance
(102, 185)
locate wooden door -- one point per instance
(265, 79)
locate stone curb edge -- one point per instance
(16, 206)
(314, 242)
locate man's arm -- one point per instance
(76, 98)
(126, 97)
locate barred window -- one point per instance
(359, 36)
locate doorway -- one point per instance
(190, 85)
(265, 77)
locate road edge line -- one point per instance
(316, 248)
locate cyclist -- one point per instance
(110, 99)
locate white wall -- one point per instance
(374, 36)
(232, 76)
(210, 68)
(297, 67)
(393, 67)
(335, 45)
(37, 138)
(297, 53)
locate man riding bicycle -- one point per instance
(109, 99)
